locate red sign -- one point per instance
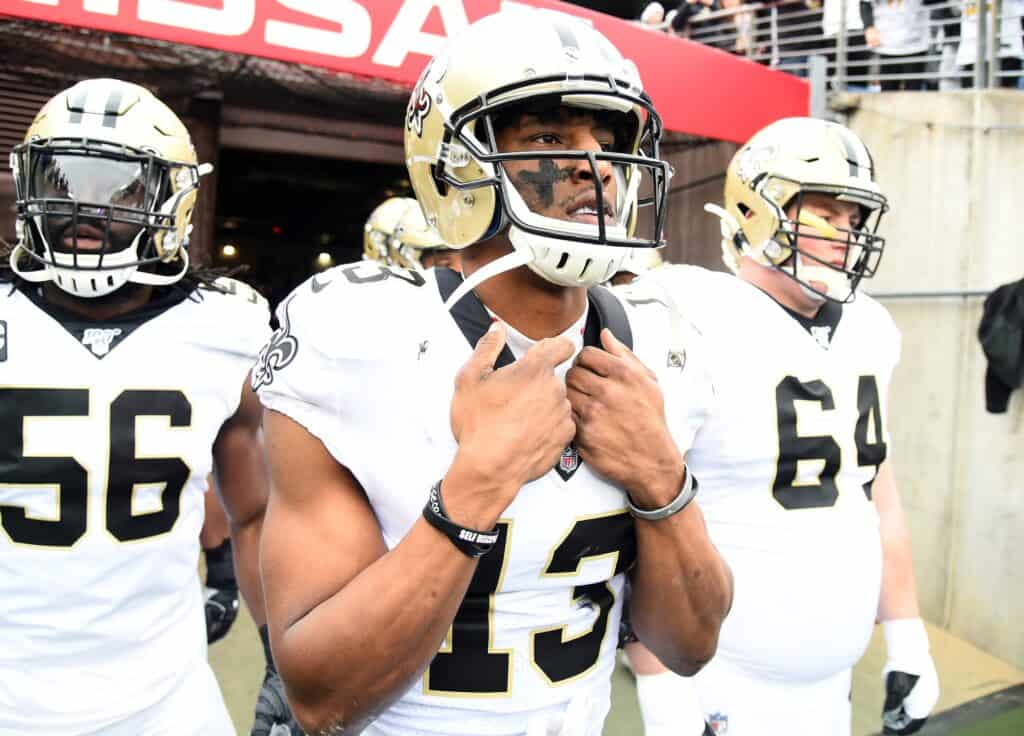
(696, 89)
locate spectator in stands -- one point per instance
(798, 32)
(1011, 46)
(858, 55)
(898, 32)
(743, 24)
(653, 14)
(678, 17)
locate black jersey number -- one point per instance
(795, 447)
(469, 665)
(70, 479)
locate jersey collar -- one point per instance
(473, 319)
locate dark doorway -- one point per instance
(278, 213)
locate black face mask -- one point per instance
(88, 197)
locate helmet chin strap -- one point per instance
(507, 262)
(36, 276)
(729, 227)
(49, 272)
(160, 279)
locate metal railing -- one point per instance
(912, 45)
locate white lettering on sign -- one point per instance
(351, 41)
(406, 35)
(105, 7)
(234, 19)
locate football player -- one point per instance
(415, 244)
(380, 227)
(123, 384)
(798, 487)
(473, 583)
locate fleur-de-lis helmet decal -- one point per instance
(277, 353)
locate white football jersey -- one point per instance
(365, 360)
(107, 441)
(785, 464)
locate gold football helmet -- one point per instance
(105, 183)
(412, 237)
(458, 172)
(772, 172)
(380, 227)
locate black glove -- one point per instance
(221, 591)
(895, 719)
(273, 716)
(911, 680)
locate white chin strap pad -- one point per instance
(88, 283)
(837, 285)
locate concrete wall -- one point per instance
(952, 165)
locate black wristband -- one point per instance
(220, 566)
(265, 638)
(470, 542)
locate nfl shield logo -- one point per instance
(568, 463)
(719, 723)
(570, 459)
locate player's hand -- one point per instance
(911, 681)
(221, 611)
(873, 37)
(621, 430)
(512, 424)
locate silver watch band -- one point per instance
(677, 504)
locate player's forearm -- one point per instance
(353, 655)
(898, 597)
(682, 590)
(245, 542)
